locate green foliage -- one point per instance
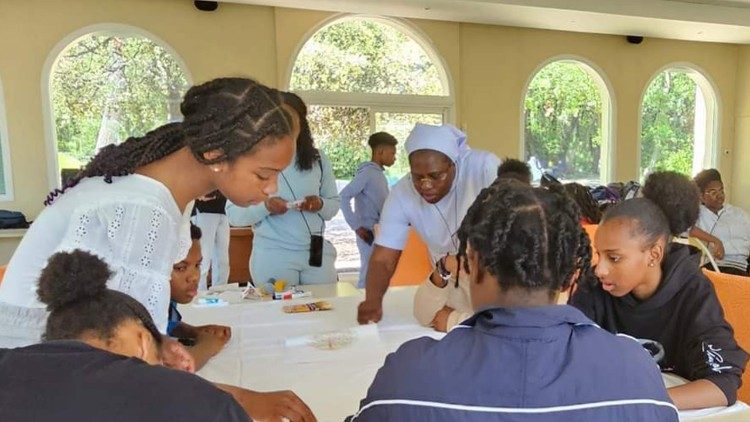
(668, 117)
(363, 55)
(126, 82)
(341, 132)
(563, 120)
(400, 125)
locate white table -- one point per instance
(335, 381)
(332, 382)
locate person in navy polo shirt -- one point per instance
(520, 357)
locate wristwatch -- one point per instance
(444, 274)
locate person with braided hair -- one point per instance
(590, 213)
(285, 225)
(520, 357)
(131, 204)
(652, 289)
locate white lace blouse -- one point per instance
(133, 224)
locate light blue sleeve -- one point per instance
(354, 188)
(328, 192)
(394, 224)
(246, 216)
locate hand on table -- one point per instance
(176, 356)
(275, 406)
(370, 311)
(215, 337)
(221, 331)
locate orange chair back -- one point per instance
(591, 231)
(2, 272)
(415, 264)
(734, 295)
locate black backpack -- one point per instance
(13, 220)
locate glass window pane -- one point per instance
(668, 123)
(563, 123)
(341, 133)
(106, 88)
(364, 55)
(400, 125)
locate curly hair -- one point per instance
(705, 177)
(73, 285)
(230, 115)
(526, 237)
(514, 169)
(669, 207)
(307, 154)
(677, 196)
(585, 200)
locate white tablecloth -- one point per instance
(268, 350)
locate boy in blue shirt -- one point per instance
(205, 341)
(369, 189)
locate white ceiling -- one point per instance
(697, 20)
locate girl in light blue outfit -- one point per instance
(284, 225)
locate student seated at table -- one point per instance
(99, 361)
(208, 339)
(653, 289)
(521, 357)
(725, 224)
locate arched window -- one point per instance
(106, 86)
(361, 75)
(678, 122)
(566, 122)
(6, 183)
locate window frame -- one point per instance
(50, 132)
(712, 102)
(607, 163)
(8, 195)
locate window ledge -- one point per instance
(11, 233)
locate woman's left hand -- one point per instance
(313, 203)
(176, 356)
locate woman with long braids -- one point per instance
(130, 205)
(288, 228)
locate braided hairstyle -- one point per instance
(307, 154)
(73, 285)
(229, 115)
(526, 237)
(585, 200)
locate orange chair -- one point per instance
(2, 272)
(734, 295)
(414, 265)
(591, 231)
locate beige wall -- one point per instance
(488, 65)
(740, 155)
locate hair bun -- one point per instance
(72, 276)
